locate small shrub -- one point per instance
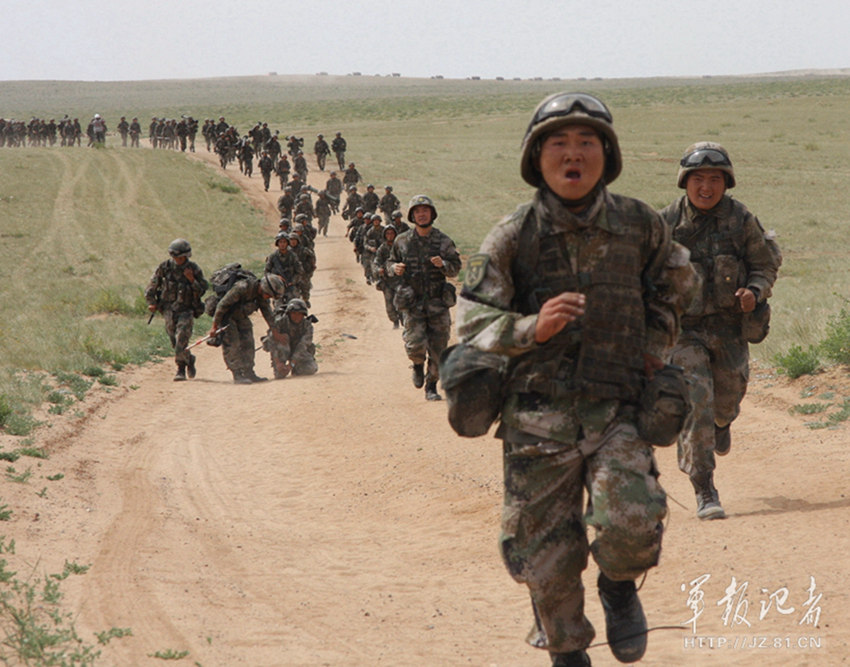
(21, 423)
(5, 409)
(808, 408)
(797, 361)
(836, 344)
(109, 301)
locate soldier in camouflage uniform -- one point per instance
(423, 258)
(334, 189)
(387, 280)
(372, 240)
(339, 146)
(371, 199)
(321, 150)
(234, 310)
(284, 262)
(266, 165)
(738, 264)
(352, 203)
(302, 250)
(290, 341)
(351, 176)
(580, 290)
(324, 208)
(175, 290)
(389, 203)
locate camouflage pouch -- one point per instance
(473, 382)
(725, 281)
(404, 297)
(755, 325)
(664, 406)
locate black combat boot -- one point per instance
(418, 375)
(625, 622)
(571, 659)
(190, 367)
(708, 500)
(722, 440)
(253, 377)
(240, 378)
(431, 391)
(180, 376)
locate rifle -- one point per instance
(207, 337)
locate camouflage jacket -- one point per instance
(293, 340)
(286, 265)
(389, 203)
(729, 249)
(169, 289)
(547, 393)
(382, 266)
(370, 202)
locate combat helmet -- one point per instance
(563, 109)
(705, 155)
(421, 200)
(273, 285)
(180, 248)
(389, 229)
(296, 306)
(280, 236)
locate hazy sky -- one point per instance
(111, 40)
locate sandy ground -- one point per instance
(337, 520)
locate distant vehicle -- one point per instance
(396, 74)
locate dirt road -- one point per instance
(337, 520)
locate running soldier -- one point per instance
(175, 290)
(424, 257)
(290, 341)
(300, 165)
(352, 203)
(738, 263)
(371, 199)
(387, 281)
(339, 146)
(283, 170)
(323, 212)
(334, 189)
(266, 166)
(298, 245)
(580, 290)
(322, 150)
(351, 176)
(284, 263)
(389, 203)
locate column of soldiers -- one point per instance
(42, 132)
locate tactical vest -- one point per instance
(176, 291)
(600, 354)
(420, 274)
(717, 246)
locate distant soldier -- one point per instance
(322, 150)
(352, 203)
(152, 131)
(294, 144)
(284, 262)
(234, 310)
(373, 237)
(135, 133)
(298, 244)
(98, 130)
(175, 290)
(273, 147)
(370, 199)
(387, 281)
(246, 155)
(283, 170)
(424, 257)
(123, 128)
(300, 165)
(266, 166)
(334, 190)
(351, 176)
(339, 146)
(192, 128)
(389, 203)
(323, 212)
(286, 202)
(181, 129)
(290, 341)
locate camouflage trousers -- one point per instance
(237, 346)
(389, 295)
(544, 539)
(179, 327)
(426, 335)
(716, 361)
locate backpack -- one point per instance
(221, 281)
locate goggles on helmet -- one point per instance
(705, 156)
(564, 105)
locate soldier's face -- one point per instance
(296, 316)
(705, 188)
(181, 260)
(572, 160)
(422, 215)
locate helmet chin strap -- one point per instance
(583, 202)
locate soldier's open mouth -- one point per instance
(573, 174)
